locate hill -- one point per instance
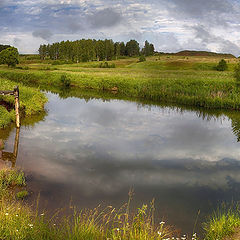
(204, 54)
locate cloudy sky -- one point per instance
(172, 25)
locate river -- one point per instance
(91, 152)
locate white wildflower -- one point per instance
(6, 214)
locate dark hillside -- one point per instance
(204, 54)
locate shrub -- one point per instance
(222, 65)
(65, 81)
(142, 58)
(22, 194)
(9, 56)
(106, 65)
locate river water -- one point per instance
(92, 152)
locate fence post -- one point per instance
(17, 105)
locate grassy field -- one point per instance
(32, 101)
(182, 80)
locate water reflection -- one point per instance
(93, 150)
(10, 157)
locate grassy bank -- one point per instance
(189, 81)
(19, 221)
(224, 224)
(31, 102)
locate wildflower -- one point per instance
(42, 214)
(30, 225)
(117, 229)
(162, 223)
(16, 215)
(6, 214)
(159, 233)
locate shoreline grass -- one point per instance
(32, 102)
(19, 221)
(222, 224)
(173, 80)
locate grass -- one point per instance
(32, 101)
(19, 221)
(222, 224)
(5, 117)
(182, 80)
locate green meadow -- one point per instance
(190, 81)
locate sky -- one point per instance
(171, 25)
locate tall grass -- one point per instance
(223, 223)
(32, 101)
(19, 221)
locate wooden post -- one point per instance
(17, 105)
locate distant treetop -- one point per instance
(90, 49)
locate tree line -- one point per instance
(90, 49)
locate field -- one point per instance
(190, 81)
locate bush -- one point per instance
(106, 65)
(9, 56)
(142, 59)
(65, 81)
(21, 195)
(222, 65)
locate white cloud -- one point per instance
(155, 19)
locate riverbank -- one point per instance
(19, 221)
(32, 102)
(183, 80)
(224, 224)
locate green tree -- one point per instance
(2, 47)
(151, 49)
(132, 48)
(117, 50)
(222, 65)
(148, 49)
(9, 56)
(122, 49)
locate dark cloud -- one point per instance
(43, 33)
(201, 8)
(105, 18)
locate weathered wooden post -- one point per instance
(17, 105)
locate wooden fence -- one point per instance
(15, 93)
